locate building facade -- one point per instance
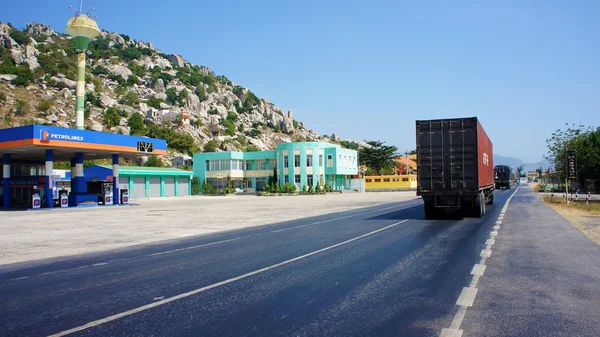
(299, 163)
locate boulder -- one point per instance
(150, 45)
(96, 126)
(4, 28)
(63, 82)
(7, 42)
(162, 63)
(106, 101)
(30, 51)
(66, 93)
(161, 95)
(122, 122)
(287, 125)
(276, 118)
(177, 60)
(334, 137)
(118, 69)
(7, 77)
(121, 130)
(159, 86)
(95, 112)
(117, 38)
(51, 118)
(32, 62)
(214, 119)
(62, 124)
(17, 56)
(289, 114)
(34, 29)
(221, 111)
(164, 106)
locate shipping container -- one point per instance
(455, 165)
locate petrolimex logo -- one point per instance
(46, 135)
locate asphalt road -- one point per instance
(381, 271)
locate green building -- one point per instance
(301, 163)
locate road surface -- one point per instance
(380, 271)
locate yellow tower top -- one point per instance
(82, 26)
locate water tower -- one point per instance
(82, 28)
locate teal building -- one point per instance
(299, 163)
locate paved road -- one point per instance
(381, 271)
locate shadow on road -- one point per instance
(416, 213)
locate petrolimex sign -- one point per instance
(46, 135)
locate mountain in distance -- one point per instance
(516, 162)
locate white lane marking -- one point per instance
(213, 243)
(193, 247)
(467, 297)
(478, 269)
(451, 332)
(468, 294)
(218, 284)
(19, 278)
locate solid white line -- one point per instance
(451, 332)
(215, 285)
(193, 247)
(478, 269)
(490, 242)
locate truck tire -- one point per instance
(479, 206)
(430, 211)
(491, 201)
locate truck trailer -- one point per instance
(455, 166)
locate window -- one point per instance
(287, 179)
(297, 160)
(404, 179)
(145, 147)
(339, 163)
(285, 161)
(396, 179)
(320, 160)
(273, 163)
(261, 165)
(208, 165)
(249, 183)
(309, 180)
(214, 165)
(297, 179)
(329, 160)
(377, 180)
(386, 180)
(368, 180)
(225, 165)
(309, 161)
(248, 165)
(236, 164)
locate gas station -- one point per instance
(29, 153)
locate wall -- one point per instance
(390, 183)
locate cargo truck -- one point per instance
(455, 166)
(502, 176)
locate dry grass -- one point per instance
(586, 217)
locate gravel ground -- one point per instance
(33, 235)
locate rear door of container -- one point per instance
(447, 154)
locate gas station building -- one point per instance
(29, 152)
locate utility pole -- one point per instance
(566, 175)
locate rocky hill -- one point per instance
(134, 88)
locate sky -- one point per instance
(367, 70)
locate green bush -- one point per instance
(137, 69)
(289, 188)
(254, 133)
(211, 146)
(45, 105)
(304, 188)
(154, 161)
(2, 97)
(111, 117)
(252, 148)
(201, 93)
(240, 128)
(171, 95)
(213, 112)
(131, 98)
(208, 188)
(24, 75)
(21, 107)
(19, 36)
(8, 67)
(155, 102)
(232, 116)
(117, 78)
(92, 98)
(183, 143)
(311, 189)
(130, 53)
(137, 127)
(131, 80)
(100, 70)
(318, 188)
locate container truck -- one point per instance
(455, 166)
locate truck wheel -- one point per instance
(478, 206)
(430, 211)
(491, 201)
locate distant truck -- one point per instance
(455, 165)
(502, 176)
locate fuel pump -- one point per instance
(63, 197)
(36, 200)
(107, 193)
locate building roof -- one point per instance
(148, 171)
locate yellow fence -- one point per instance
(391, 182)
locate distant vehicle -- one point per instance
(502, 176)
(455, 165)
(523, 180)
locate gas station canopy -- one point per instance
(29, 143)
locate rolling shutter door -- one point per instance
(123, 183)
(169, 187)
(139, 188)
(183, 187)
(154, 187)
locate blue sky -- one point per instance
(368, 69)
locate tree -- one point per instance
(520, 171)
(154, 161)
(195, 186)
(201, 93)
(252, 148)
(171, 94)
(211, 146)
(111, 117)
(378, 156)
(137, 127)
